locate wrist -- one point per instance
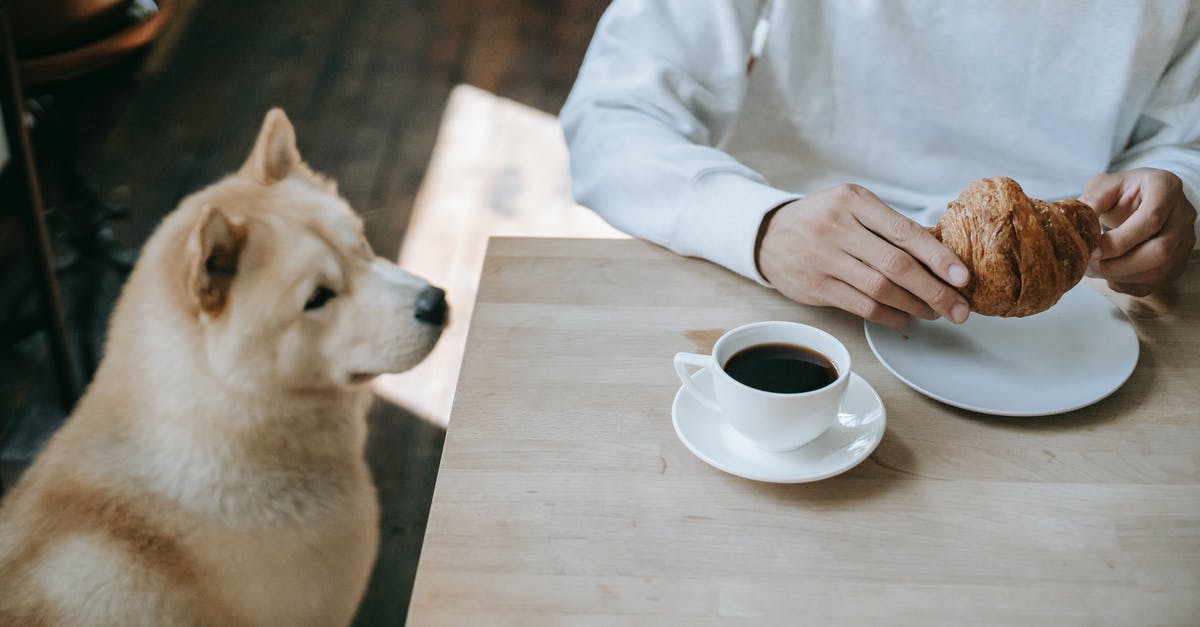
(758, 241)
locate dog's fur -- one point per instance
(213, 473)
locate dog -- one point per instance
(213, 472)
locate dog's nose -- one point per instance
(431, 305)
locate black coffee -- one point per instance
(783, 368)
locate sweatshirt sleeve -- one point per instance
(658, 90)
(1167, 135)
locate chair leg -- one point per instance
(22, 160)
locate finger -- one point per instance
(1102, 192)
(1133, 289)
(875, 285)
(841, 295)
(1149, 262)
(1115, 218)
(1134, 262)
(1152, 211)
(1111, 199)
(913, 239)
(1149, 277)
(906, 272)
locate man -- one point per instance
(802, 143)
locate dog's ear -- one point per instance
(213, 251)
(274, 154)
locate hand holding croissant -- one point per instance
(1023, 253)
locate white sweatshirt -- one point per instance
(673, 141)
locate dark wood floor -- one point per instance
(364, 82)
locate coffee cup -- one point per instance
(779, 384)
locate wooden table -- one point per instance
(564, 496)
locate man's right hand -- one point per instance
(845, 248)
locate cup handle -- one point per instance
(682, 361)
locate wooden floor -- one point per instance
(365, 82)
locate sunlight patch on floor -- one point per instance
(499, 168)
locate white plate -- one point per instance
(1075, 353)
(857, 432)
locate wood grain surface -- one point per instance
(564, 496)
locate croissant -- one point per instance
(1023, 253)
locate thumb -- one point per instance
(1102, 192)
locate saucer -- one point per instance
(858, 430)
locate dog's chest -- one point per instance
(277, 543)
(310, 571)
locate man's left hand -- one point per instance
(1151, 229)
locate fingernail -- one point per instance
(958, 274)
(959, 313)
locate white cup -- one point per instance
(771, 421)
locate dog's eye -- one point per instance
(319, 297)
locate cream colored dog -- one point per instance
(213, 473)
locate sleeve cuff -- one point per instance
(721, 216)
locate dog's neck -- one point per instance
(213, 449)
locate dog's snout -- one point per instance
(431, 305)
